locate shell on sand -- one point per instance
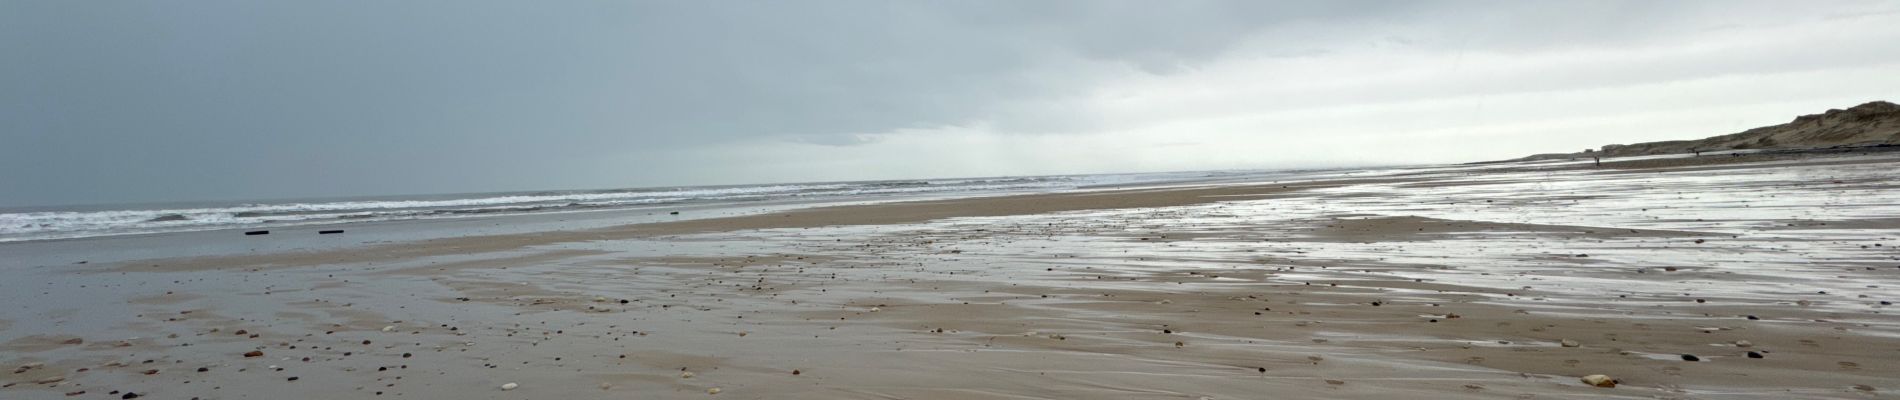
(1599, 380)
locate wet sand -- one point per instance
(1492, 281)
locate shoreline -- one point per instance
(915, 211)
(1451, 281)
(900, 212)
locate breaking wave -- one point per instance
(55, 224)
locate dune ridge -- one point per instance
(1872, 124)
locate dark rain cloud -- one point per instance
(146, 101)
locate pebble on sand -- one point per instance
(1599, 380)
(28, 366)
(712, 391)
(1690, 357)
(509, 386)
(1570, 343)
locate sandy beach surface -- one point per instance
(1684, 278)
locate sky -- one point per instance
(145, 101)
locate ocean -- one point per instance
(46, 223)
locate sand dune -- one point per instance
(1874, 123)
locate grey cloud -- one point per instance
(837, 140)
(141, 101)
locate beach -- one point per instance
(1724, 277)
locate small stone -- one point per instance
(1690, 357)
(1744, 343)
(389, 328)
(795, 372)
(712, 391)
(49, 380)
(606, 386)
(686, 375)
(1335, 382)
(130, 395)
(1599, 380)
(1570, 343)
(253, 353)
(1864, 388)
(509, 386)
(1754, 355)
(24, 367)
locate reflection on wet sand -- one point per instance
(1496, 281)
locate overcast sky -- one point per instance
(135, 101)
